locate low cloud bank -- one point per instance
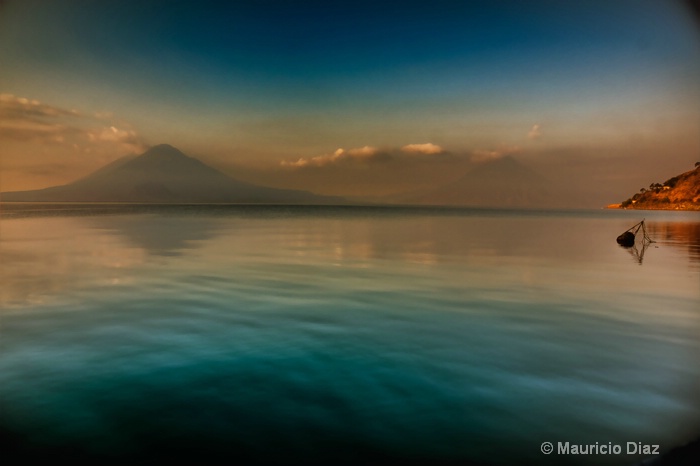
(29, 120)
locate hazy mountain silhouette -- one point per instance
(502, 182)
(163, 174)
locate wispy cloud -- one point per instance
(13, 106)
(485, 155)
(27, 130)
(535, 132)
(125, 137)
(366, 151)
(340, 155)
(368, 155)
(425, 148)
(23, 119)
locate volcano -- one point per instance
(165, 175)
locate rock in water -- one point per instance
(626, 239)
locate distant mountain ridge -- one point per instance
(682, 192)
(163, 174)
(502, 182)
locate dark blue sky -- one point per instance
(306, 43)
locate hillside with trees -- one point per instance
(682, 192)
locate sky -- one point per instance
(360, 98)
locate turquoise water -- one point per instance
(299, 335)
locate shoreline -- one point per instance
(681, 208)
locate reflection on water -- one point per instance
(302, 335)
(684, 235)
(156, 235)
(638, 251)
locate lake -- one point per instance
(345, 335)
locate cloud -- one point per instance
(125, 137)
(16, 107)
(426, 148)
(485, 155)
(363, 156)
(369, 171)
(24, 120)
(340, 155)
(366, 151)
(534, 132)
(27, 130)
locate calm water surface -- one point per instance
(291, 335)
